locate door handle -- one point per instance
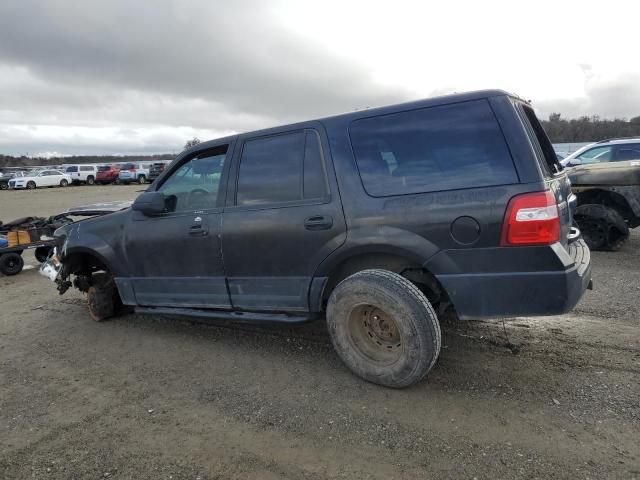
(318, 222)
(197, 230)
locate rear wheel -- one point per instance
(4, 185)
(602, 227)
(102, 297)
(142, 179)
(383, 328)
(64, 183)
(90, 180)
(11, 263)
(31, 185)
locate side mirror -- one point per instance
(149, 203)
(574, 162)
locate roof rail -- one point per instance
(617, 138)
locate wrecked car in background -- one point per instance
(381, 220)
(605, 176)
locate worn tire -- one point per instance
(102, 297)
(413, 345)
(11, 263)
(602, 227)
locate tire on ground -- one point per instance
(64, 183)
(383, 328)
(11, 263)
(602, 227)
(102, 297)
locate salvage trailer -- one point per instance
(36, 233)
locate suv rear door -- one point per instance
(283, 217)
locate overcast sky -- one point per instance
(127, 76)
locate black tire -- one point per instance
(64, 183)
(4, 185)
(31, 185)
(602, 227)
(42, 253)
(383, 328)
(102, 297)
(142, 179)
(11, 263)
(90, 180)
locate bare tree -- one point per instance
(192, 142)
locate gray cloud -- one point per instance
(231, 60)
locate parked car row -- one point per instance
(81, 174)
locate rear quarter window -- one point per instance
(432, 149)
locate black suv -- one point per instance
(381, 220)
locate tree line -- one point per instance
(10, 161)
(589, 129)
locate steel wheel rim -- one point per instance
(375, 334)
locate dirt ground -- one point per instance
(157, 398)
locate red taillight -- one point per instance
(531, 219)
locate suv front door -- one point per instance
(175, 257)
(283, 217)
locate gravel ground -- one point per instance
(158, 398)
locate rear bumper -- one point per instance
(522, 293)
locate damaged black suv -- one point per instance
(380, 220)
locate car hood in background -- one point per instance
(99, 208)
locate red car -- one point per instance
(107, 174)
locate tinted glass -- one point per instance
(72, 169)
(315, 183)
(195, 184)
(628, 152)
(104, 169)
(596, 155)
(271, 170)
(437, 148)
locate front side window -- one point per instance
(72, 169)
(596, 155)
(281, 168)
(195, 184)
(431, 149)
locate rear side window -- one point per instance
(432, 149)
(628, 152)
(541, 141)
(282, 168)
(86, 169)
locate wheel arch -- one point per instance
(610, 199)
(385, 257)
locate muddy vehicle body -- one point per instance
(382, 221)
(605, 177)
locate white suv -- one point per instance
(82, 173)
(605, 151)
(134, 172)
